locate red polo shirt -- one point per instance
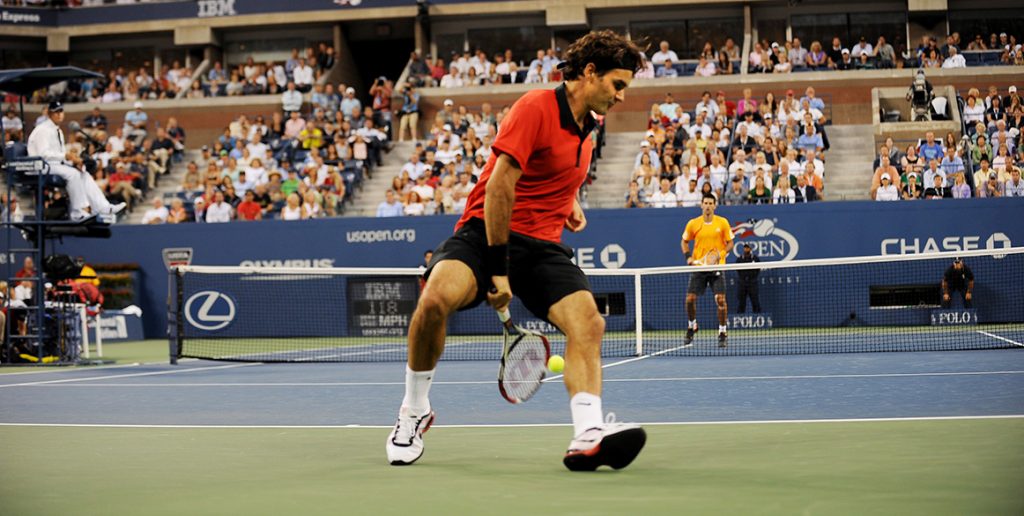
(541, 134)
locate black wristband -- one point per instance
(686, 255)
(496, 260)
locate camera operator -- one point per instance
(381, 91)
(920, 97)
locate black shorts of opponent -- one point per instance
(541, 273)
(699, 282)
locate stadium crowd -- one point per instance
(985, 162)
(446, 164)
(746, 151)
(302, 71)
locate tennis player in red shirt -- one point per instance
(508, 242)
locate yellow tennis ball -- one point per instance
(556, 363)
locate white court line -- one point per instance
(530, 425)
(489, 382)
(107, 377)
(1004, 339)
(629, 360)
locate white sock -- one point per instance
(721, 328)
(692, 325)
(417, 387)
(586, 412)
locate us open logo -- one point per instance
(209, 310)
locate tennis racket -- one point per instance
(711, 258)
(524, 360)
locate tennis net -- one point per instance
(884, 303)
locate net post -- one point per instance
(175, 329)
(639, 313)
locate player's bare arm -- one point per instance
(577, 219)
(498, 201)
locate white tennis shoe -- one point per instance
(611, 444)
(405, 443)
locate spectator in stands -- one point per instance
(934, 170)
(177, 213)
(1015, 186)
(736, 194)
(884, 54)
(783, 194)
(954, 60)
(705, 67)
(961, 189)
(912, 188)
(930, 149)
(664, 54)
(302, 76)
(816, 58)
(886, 190)
(291, 99)
(730, 49)
(687, 193)
(664, 197)
(951, 162)
(845, 61)
(809, 140)
(157, 214)
(782, 64)
(292, 210)
(981, 150)
(797, 55)
(635, 196)
(759, 194)
(834, 53)
(724, 66)
(884, 168)
(218, 210)
(666, 70)
(937, 190)
(862, 51)
(804, 192)
(911, 161)
(452, 79)
(758, 61)
(135, 123)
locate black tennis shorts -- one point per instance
(699, 282)
(541, 273)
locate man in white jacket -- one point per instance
(47, 142)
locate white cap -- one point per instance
(1002, 34)
(645, 144)
(775, 45)
(1013, 89)
(449, 102)
(650, 133)
(138, 105)
(447, 127)
(846, 51)
(886, 176)
(350, 90)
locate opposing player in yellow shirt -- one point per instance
(713, 240)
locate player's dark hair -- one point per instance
(709, 196)
(606, 49)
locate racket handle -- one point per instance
(504, 315)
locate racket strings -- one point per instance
(525, 366)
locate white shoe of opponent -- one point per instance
(405, 443)
(611, 444)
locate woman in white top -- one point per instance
(973, 111)
(292, 210)
(887, 192)
(310, 208)
(415, 206)
(783, 194)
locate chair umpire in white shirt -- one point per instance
(47, 142)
